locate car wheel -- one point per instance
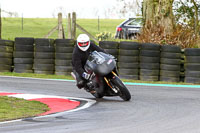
(133, 36)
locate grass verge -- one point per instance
(15, 108)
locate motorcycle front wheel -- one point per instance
(123, 91)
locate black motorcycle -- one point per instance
(104, 79)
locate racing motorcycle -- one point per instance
(103, 76)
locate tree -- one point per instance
(159, 12)
(186, 12)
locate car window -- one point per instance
(135, 22)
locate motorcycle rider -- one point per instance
(79, 57)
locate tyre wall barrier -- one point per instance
(44, 56)
(128, 60)
(156, 62)
(110, 47)
(63, 56)
(149, 62)
(143, 61)
(192, 65)
(170, 63)
(6, 55)
(23, 55)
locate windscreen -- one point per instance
(96, 58)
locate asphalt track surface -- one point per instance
(152, 109)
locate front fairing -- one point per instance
(101, 64)
(106, 67)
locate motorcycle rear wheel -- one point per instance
(123, 91)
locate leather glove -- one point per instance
(86, 75)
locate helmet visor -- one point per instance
(83, 44)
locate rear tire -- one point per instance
(123, 91)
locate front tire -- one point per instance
(123, 91)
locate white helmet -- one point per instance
(83, 42)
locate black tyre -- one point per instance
(63, 68)
(125, 45)
(170, 61)
(128, 71)
(108, 45)
(150, 46)
(150, 53)
(170, 55)
(24, 41)
(145, 59)
(192, 52)
(6, 43)
(152, 66)
(134, 77)
(128, 52)
(170, 67)
(123, 91)
(6, 55)
(192, 66)
(192, 59)
(64, 42)
(44, 61)
(63, 62)
(64, 49)
(169, 79)
(43, 55)
(44, 48)
(112, 51)
(6, 49)
(5, 68)
(22, 71)
(192, 80)
(195, 74)
(171, 48)
(61, 56)
(128, 59)
(169, 73)
(44, 67)
(44, 42)
(147, 72)
(25, 48)
(18, 54)
(128, 65)
(6, 61)
(23, 60)
(23, 66)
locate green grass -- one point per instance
(39, 27)
(15, 108)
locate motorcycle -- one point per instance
(103, 78)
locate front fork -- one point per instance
(112, 75)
